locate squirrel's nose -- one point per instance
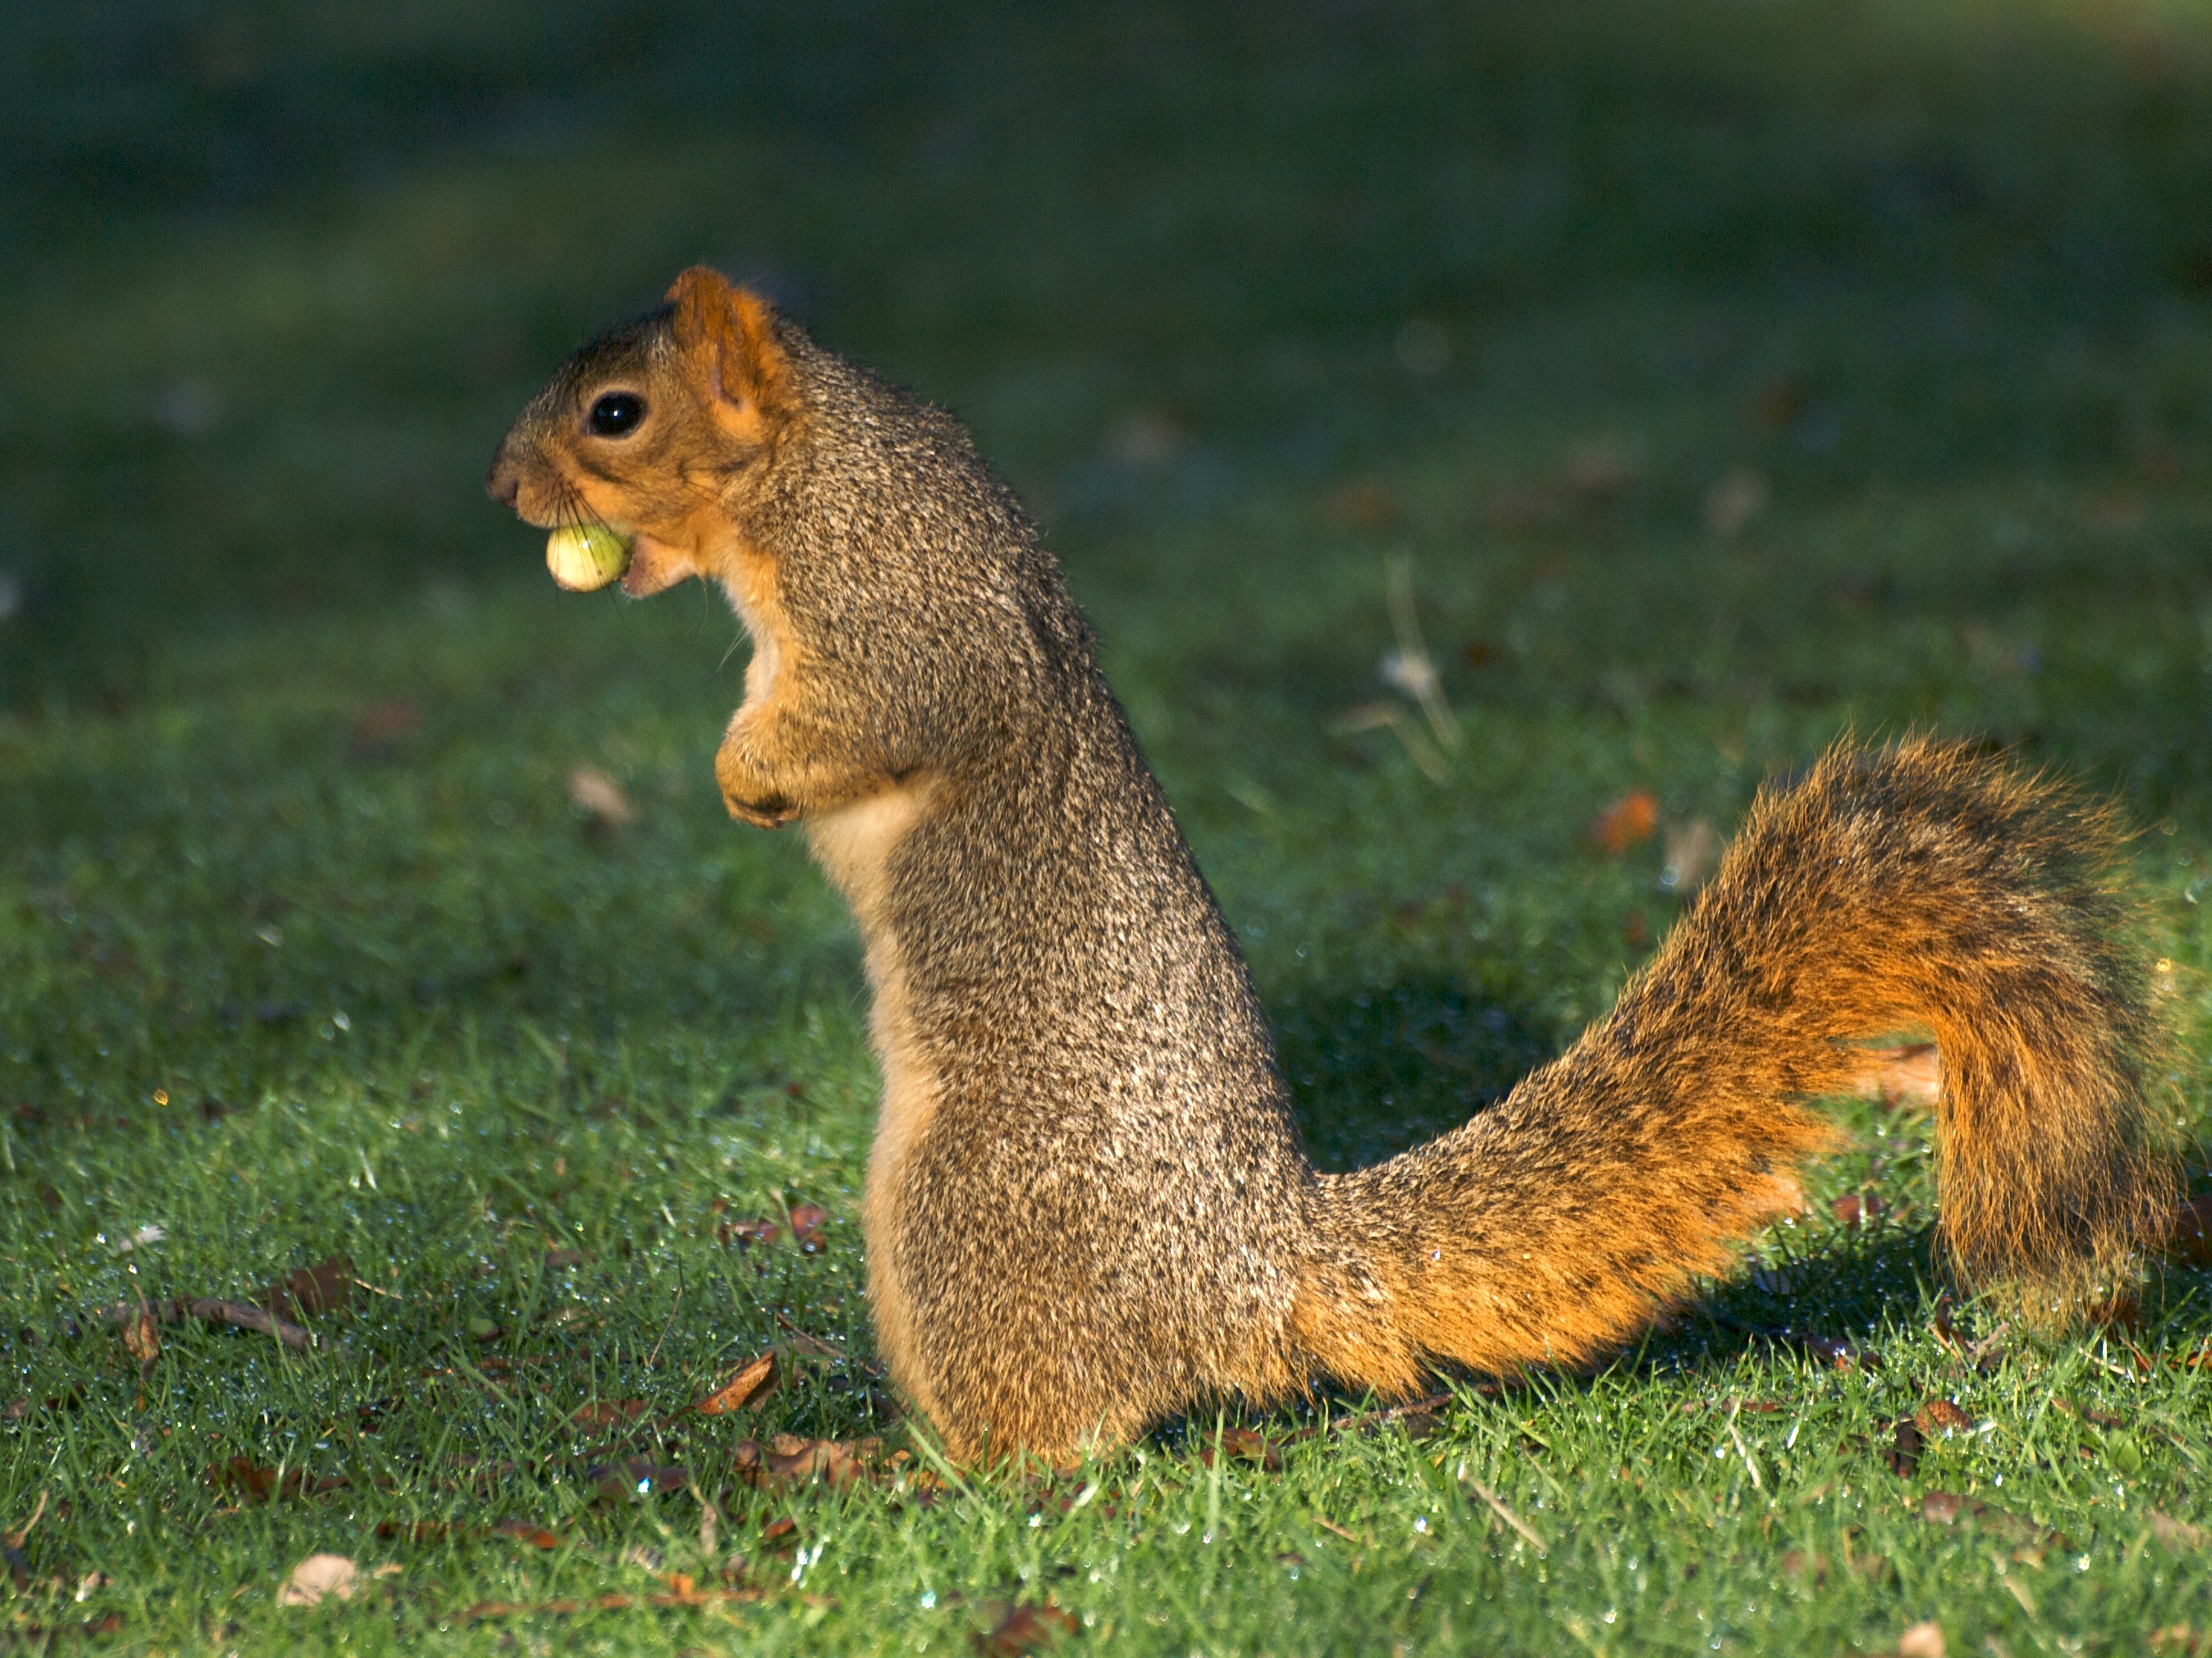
(504, 482)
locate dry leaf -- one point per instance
(1628, 820)
(308, 1292)
(806, 1222)
(789, 1459)
(1025, 1630)
(1804, 1566)
(1255, 1447)
(2117, 510)
(1692, 851)
(1921, 1641)
(607, 1413)
(637, 1476)
(1366, 502)
(746, 1233)
(1857, 1210)
(1949, 1509)
(2189, 1236)
(743, 1387)
(242, 1477)
(694, 1597)
(1597, 469)
(2175, 1533)
(599, 797)
(379, 729)
(538, 1537)
(1777, 405)
(1906, 1446)
(318, 1576)
(141, 1340)
(2121, 1312)
(1944, 1508)
(1146, 438)
(1732, 503)
(1910, 1076)
(1940, 1416)
(381, 722)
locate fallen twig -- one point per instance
(247, 1316)
(212, 1309)
(1373, 716)
(1410, 668)
(1499, 1507)
(15, 1539)
(1742, 1449)
(1365, 1419)
(484, 1609)
(813, 1347)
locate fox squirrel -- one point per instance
(1087, 1206)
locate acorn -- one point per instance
(585, 557)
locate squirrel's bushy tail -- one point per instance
(1916, 887)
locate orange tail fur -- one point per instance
(1916, 887)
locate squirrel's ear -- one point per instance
(727, 337)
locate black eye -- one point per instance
(616, 415)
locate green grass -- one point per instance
(288, 715)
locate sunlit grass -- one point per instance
(305, 949)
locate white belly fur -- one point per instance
(853, 845)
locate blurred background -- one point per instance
(277, 276)
(1719, 377)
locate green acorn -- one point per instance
(585, 557)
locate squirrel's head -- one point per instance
(653, 432)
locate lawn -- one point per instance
(1703, 382)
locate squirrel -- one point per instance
(1087, 1207)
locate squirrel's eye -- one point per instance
(616, 415)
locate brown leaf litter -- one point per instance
(319, 1577)
(1021, 1629)
(744, 1387)
(789, 1459)
(1632, 818)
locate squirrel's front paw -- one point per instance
(749, 792)
(774, 812)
